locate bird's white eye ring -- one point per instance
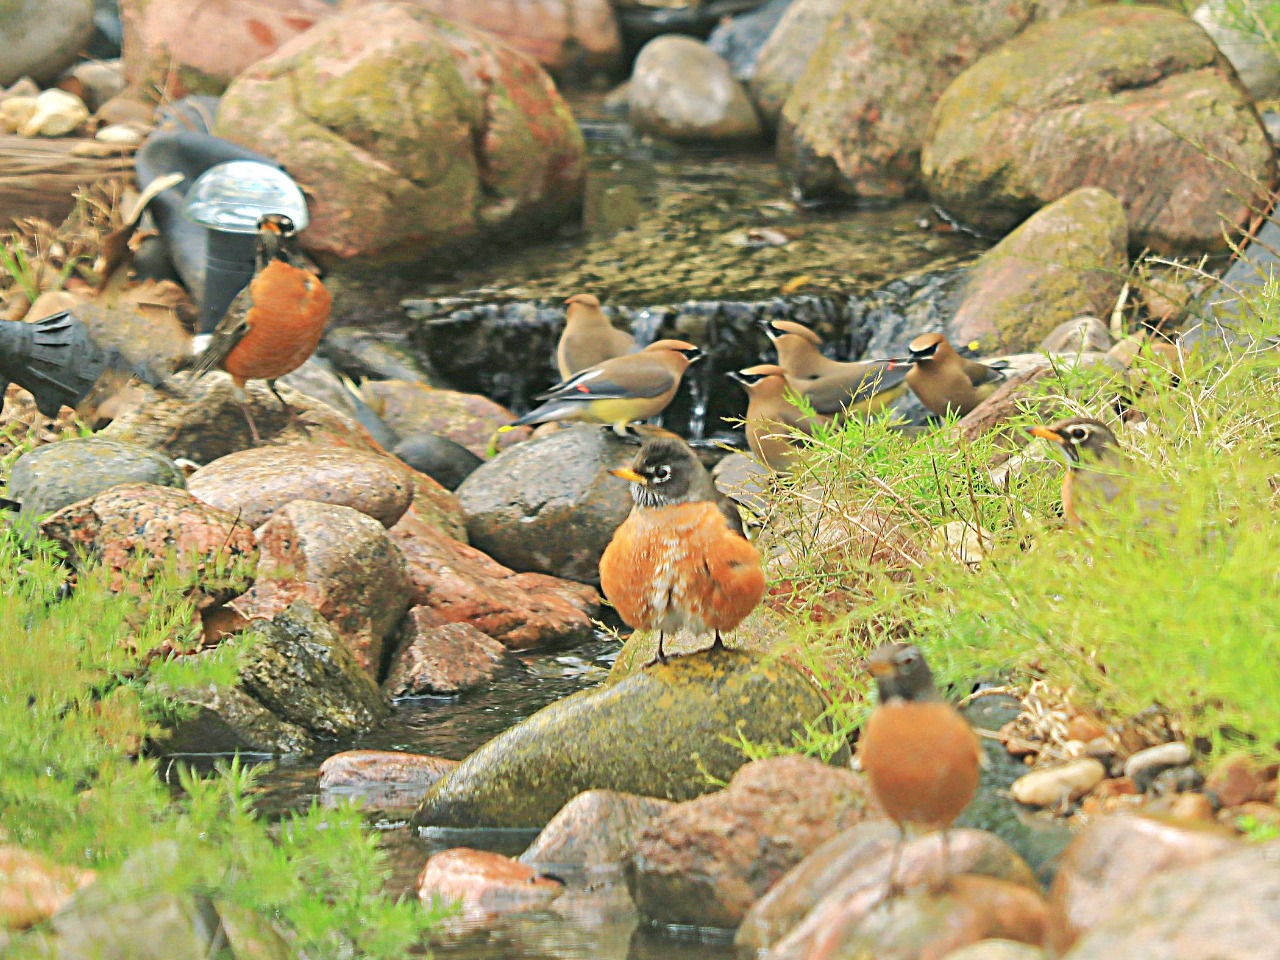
(662, 474)
(1079, 433)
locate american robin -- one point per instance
(618, 391)
(679, 561)
(275, 323)
(772, 418)
(920, 755)
(1092, 453)
(588, 338)
(946, 382)
(832, 387)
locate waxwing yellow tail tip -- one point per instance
(491, 450)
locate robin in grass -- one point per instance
(620, 391)
(680, 560)
(588, 338)
(833, 387)
(275, 323)
(946, 382)
(919, 754)
(773, 419)
(1093, 455)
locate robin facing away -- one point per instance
(618, 391)
(679, 561)
(920, 755)
(946, 382)
(833, 387)
(588, 338)
(771, 416)
(274, 324)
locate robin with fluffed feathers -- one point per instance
(772, 418)
(588, 338)
(920, 755)
(620, 391)
(946, 382)
(832, 387)
(680, 560)
(274, 324)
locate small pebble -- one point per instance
(57, 113)
(122, 134)
(1084, 728)
(1145, 764)
(1057, 785)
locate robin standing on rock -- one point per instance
(944, 381)
(275, 323)
(772, 418)
(588, 338)
(679, 561)
(832, 387)
(920, 756)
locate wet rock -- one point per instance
(1254, 58)
(851, 870)
(147, 927)
(484, 883)
(1239, 779)
(226, 720)
(411, 409)
(41, 38)
(1007, 138)
(855, 121)
(501, 155)
(365, 354)
(382, 778)
(250, 935)
(95, 81)
(56, 114)
(683, 90)
(595, 829)
(740, 39)
(1145, 765)
(1058, 786)
(33, 888)
(441, 658)
(460, 584)
(257, 483)
(445, 461)
(786, 53)
(57, 475)
(166, 42)
(705, 862)
(341, 562)
(126, 108)
(550, 505)
(764, 631)
(997, 950)
(1081, 335)
(1068, 259)
(662, 732)
(1112, 861)
(1222, 908)
(315, 379)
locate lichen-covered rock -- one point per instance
(1139, 102)
(667, 731)
(683, 90)
(786, 53)
(225, 720)
(466, 418)
(441, 658)
(57, 475)
(381, 778)
(41, 38)
(595, 829)
(419, 137)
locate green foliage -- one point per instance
(1256, 830)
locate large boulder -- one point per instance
(441, 658)
(56, 475)
(413, 409)
(683, 90)
(1138, 101)
(418, 137)
(41, 38)
(596, 829)
(856, 119)
(786, 53)
(669, 731)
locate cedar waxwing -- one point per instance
(945, 381)
(861, 389)
(588, 337)
(771, 416)
(618, 391)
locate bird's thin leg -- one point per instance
(248, 417)
(892, 888)
(946, 862)
(284, 405)
(661, 656)
(719, 642)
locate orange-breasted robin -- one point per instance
(772, 418)
(1092, 454)
(680, 560)
(588, 338)
(620, 391)
(920, 755)
(944, 381)
(275, 323)
(832, 387)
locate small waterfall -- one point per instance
(645, 325)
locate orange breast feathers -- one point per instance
(681, 567)
(287, 320)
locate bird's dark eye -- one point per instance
(907, 659)
(1079, 434)
(662, 474)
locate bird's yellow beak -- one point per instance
(626, 473)
(878, 668)
(1044, 433)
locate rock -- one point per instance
(786, 53)
(15, 112)
(251, 935)
(484, 883)
(853, 868)
(997, 950)
(300, 669)
(1074, 337)
(458, 139)
(855, 120)
(442, 659)
(416, 408)
(595, 829)
(460, 584)
(550, 506)
(1066, 259)
(226, 720)
(1058, 786)
(567, 37)
(1253, 57)
(126, 108)
(57, 113)
(95, 81)
(740, 39)
(32, 888)
(705, 862)
(1008, 138)
(137, 530)
(382, 778)
(120, 135)
(369, 355)
(683, 90)
(257, 483)
(445, 461)
(167, 43)
(1145, 765)
(1238, 780)
(1215, 910)
(341, 562)
(662, 732)
(41, 38)
(1111, 861)
(59, 474)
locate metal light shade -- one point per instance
(231, 196)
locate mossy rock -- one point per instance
(59, 474)
(667, 731)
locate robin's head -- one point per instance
(275, 232)
(687, 351)
(1082, 440)
(901, 673)
(928, 346)
(760, 377)
(664, 472)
